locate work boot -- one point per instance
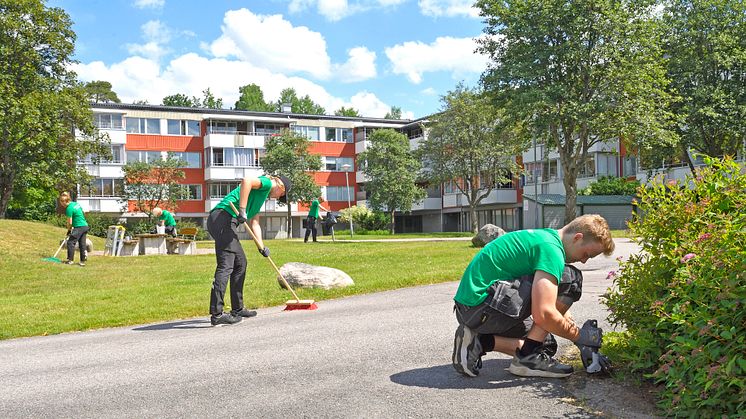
(538, 364)
(223, 319)
(467, 352)
(243, 313)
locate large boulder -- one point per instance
(303, 275)
(486, 234)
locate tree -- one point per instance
(182, 100)
(153, 184)
(100, 91)
(611, 185)
(706, 46)
(41, 102)
(469, 145)
(394, 113)
(252, 99)
(577, 73)
(347, 112)
(393, 170)
(287, 154)
(210, 101)
(304, 105)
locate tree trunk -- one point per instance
(474, 220)
(290, 223)
(6, 191)
(393, 221)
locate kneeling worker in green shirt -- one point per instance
(222, 223)
(516, 292)
(165, 218)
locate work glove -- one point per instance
(264, 252)
(241, 219)
(602, 362)
(69, 232)
(590, 335)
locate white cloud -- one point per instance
(360, 66)
(156, 35)
(335, 10)
(455, 55)
(429, 91)
(149, 4)
(448, 8)
(272, 42)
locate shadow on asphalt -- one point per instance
(186, 324)
(493, 375)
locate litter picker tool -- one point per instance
(54, 258)
(296, 304)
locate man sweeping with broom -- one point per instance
(222, 224)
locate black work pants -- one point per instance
(77, 236)
(171, 230)
(231, 261)
(310, 228)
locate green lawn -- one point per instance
(39, 297)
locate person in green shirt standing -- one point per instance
(77, 228)
(165, 218)
(313, 215)
(516, 292)
(222, 223)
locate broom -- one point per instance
(54, 258)
(296, 304)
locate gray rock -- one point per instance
(486, 234)
(303, 275)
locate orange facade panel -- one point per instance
(164, 143)
(332, 149)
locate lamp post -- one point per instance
(346, 168)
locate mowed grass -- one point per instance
(39, 297)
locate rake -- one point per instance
(54, 258)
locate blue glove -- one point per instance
(265, 252)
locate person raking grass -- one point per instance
(77, 229)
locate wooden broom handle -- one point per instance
(256, 241)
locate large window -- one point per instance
(339, 193)
(588, 169)
(607, 164)
(103, 187)
(117, 152)
(107, 120)
(533, 171)
(223, 127)
(629, 167)
(192, 159)
(268, 129)
(549, 170)
(341, 135)
(143, 156)
(312, 133)
(334, 164)
(234, 157)
(192, 192)
(221, 189)
(183, 127)
(143, 125)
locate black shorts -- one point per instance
(507, 309)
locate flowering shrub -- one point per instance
(682, 298)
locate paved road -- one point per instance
(379, 355)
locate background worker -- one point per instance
(313, 215)
(222, 223)
(77, 228)
(522, 274)
(165, 218)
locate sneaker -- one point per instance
(68, 262)
(467, 352)
(244, 313)
(538, 364)
(224, 319)
(81, 263)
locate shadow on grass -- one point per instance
(185, 324)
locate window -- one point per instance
(549, 170)
(629, 167)
(334, 164)
(588, 169)
(533, 170)
(341, 135)
(183, 127)
(191, 159)
(107, 120)
(339, 193)
(235, 157)
(450, 187)
(268, 129)
(312, 133)
(103, 188)
(192, 192)
(607, 164)
(143, 156)
(223, 127)
(220, 190)
(143, 125)
(116, 156)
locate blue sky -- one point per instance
(367, 54)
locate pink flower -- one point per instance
(611, 275)
(687, 257)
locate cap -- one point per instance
(288, 185)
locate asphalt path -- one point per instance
(378, 355)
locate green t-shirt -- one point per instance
(75, 212)
(314, 211)
(256, 198)
(508, 257)
(168, 218)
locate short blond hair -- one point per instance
(593, 227)
(64, 198)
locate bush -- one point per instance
(611, 185)
(682, 298)
(202, 234)
(364, 218)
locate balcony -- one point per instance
(105, 170)
(100, 204)
(427, 204)
(361, 146)
(499, 196)
(230, 172)
(269, 206)
(235, 139)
